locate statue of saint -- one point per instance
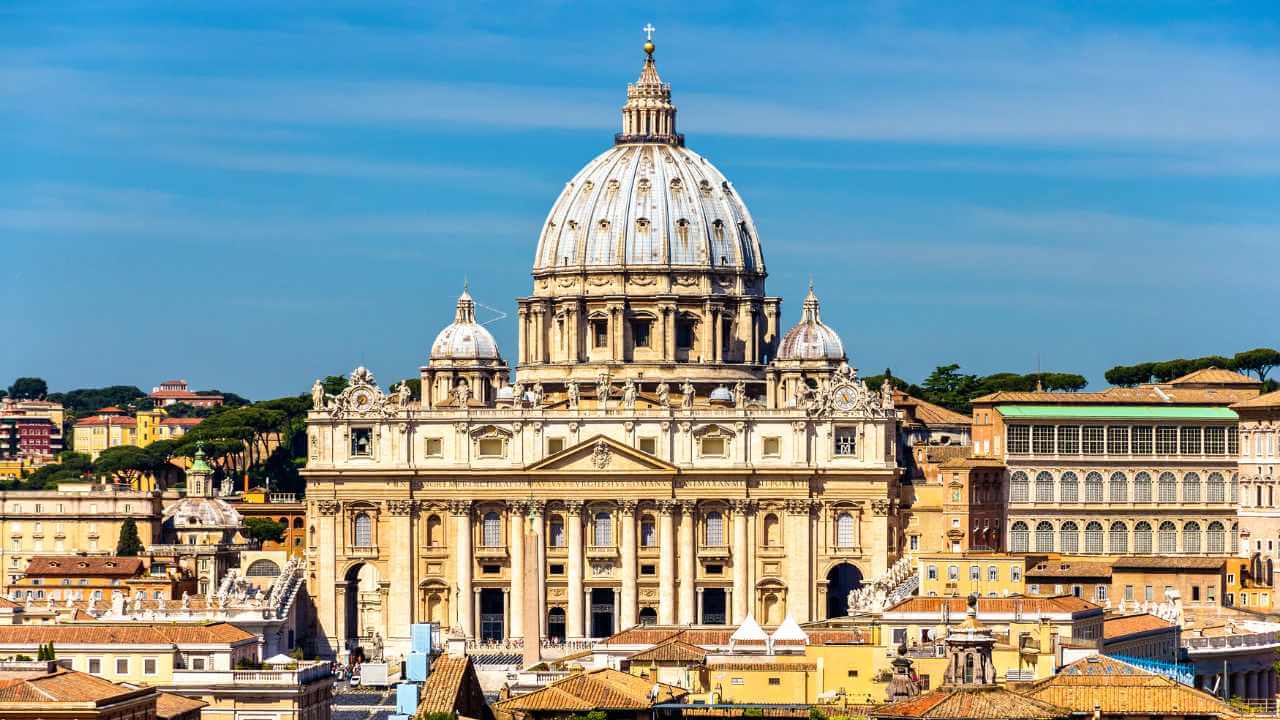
(604, 389)
(629, 394)
(538, 394)
(517, 395)
(402, 394)
(664, 395)
(687, 401)
(462, 393)
(317, 395)
(740, 394)
(572, 389)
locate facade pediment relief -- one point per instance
(713, 430)
(490, 431)
(600, 454)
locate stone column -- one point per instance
(627, 604)
(799, 584)
(698, 615)
(475, 613)
(461, 516)
(574, 614)
(400, 601)
(506, 614)
(516, 545)
(331, 615)
(666, 563)
(536, 509)
(741, 559)
(688, 566)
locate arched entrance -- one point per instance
(840, 580)
(492, 615)
(714, 607)
(363, 605)
(648, 616)
(555, 624)
(601, 612)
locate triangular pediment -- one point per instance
(600, 454)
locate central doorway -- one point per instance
(841, 580)
(491, 615)
(601, 612)
(714, 607)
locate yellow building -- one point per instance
(945, 574)
(74, 518)
(111, 427)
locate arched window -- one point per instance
(1191, 538)
(1168, 538)
(648, 532)
(1018, 487)
(1069, 487)
(1216, 538)
(1216, 488)
(363, 530)
(1044, 536)
(1119, 540)
(1142, 487)
(1168, 487)
(1234, 547)
(953, 572)
(1118, 488)
(1093, 487)
(715, 529)
(1069, 537)
(648, 616)
(844, 530)
(555, 531)
(1191, 487)
(1235, 487)
(492, 530)
(1142, 538)
(1044, 487)
(993, 573)
(1018, 537)
(1093, 537)
(262, 568)
(772, 531)
(603, 530)
(433, 531)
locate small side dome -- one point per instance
(810, 339)
(465, 339)
(505, 394)
(721, 395)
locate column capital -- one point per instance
(460, 508)
(745, 506)
(627, 507)
(800, 506)
(667, 507)
(402, 507)
(328, 507)
(688, 507)
(518, 508)
(534, 508)
(573, 507)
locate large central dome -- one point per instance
(648, 202)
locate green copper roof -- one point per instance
(1120, 412)
(198, 464)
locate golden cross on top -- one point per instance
(648, 31)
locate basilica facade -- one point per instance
(664, 453)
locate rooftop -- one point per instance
(62, 686)
(1270, 400)
(63, 566)
(1023, 605)
(170, 706)
(978, 703)
(1119, 412)
(602, 689)
(131, 634)
(1118, 688)
(1117, 627)
(1159, 562)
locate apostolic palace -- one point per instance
(665, 451)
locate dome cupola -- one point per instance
(465, 339)
(810, 339)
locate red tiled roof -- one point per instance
(188, 422)
(1130, 624)
(1120, 689)
(602, 689)
(671, 651)
(958, 605)
(63, 686)
(1270, 400)
(62, 566)
(1216, 376)
(169, 706)
(708, 637)
(980, 703)
(121, 420)
(103, 634)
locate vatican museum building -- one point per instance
(664, 452)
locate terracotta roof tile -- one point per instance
(1130, 624)
(1150, 562)
(712, 637)
(1216, 376)
(958, 605)
(61, 686)
(1141, 395)
(982, 703)
(671, 651)
(104, 634)
(928, 413)
(603, 689)
(170, 706)
(762, 665)
(1070, 568)
(1270, 400)
(1119, 688)
(64, 566)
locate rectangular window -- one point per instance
(1015, 574)
(771, 447)
(1033, 589)
(715, 569)
(1093, 440)
(846, 442)
(713, 447)
(1195, 593)
(1166, 440)
(640, 333)
(491, 447)
(491, 569)
(648, 569)
(775, 681)
(1141, 444)
(1019, 439)
(1233, 440)
(649, 445)
(554, 445)
(1189, 442)
(599, 333)
(1215, 440)
(555, 569)
(1117, 440)
(433, 447)
(95, 666)
(197, 663)
(1068, 439)
(149, 666)
(122, 666)
(1148, 594)
(1042, 439)
(361, 442)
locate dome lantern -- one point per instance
(649, 115)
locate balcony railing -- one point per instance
(278, 677)
(1227, 642)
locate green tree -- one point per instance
(229, 399)
(28, 388)
(335, 384)
(1061, 382)
(126, 462)
(263, 529)
(948, 387)
(1258, 361)
(1129, 375)
(415, 387)
(129, 544)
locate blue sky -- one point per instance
(252, 195)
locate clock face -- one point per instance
(362, 400)
(843, 398)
